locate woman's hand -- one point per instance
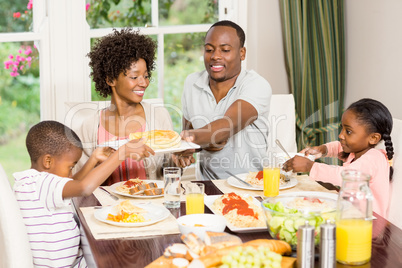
(316, 151)
(135, 149)
(184, 159)
(298, 164)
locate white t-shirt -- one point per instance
(244, 150)
(53, 233)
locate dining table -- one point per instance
(105, 247)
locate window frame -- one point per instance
(63, 40)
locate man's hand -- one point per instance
(184, 159)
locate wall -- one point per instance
(374, 52)
(264, 45)
(373, 33)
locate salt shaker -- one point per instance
(327, 245)
(305, 246)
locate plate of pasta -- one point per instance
(131, 214)
(138, 188)
(255, 179)
(243, 212)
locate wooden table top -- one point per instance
(139, 252)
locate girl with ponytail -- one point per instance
(364, 124)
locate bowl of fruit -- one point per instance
(285, 213)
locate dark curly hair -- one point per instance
(114, 54)
(50, 137)
(377, 119)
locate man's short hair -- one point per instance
(239, 30)
(50, 137)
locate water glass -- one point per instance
(194, 198)
(271, 176)
(172, 189)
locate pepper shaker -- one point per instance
(305, 246)
(327, 245)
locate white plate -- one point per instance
(235, 183)
(184, 145)
(210, 199)
(113, 188)
(155, 214)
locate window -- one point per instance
(60, 37)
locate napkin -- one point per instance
(102, 230)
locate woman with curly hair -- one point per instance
(122, 64)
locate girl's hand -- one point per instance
(102, 153)
(135, 149)
(184, 159)
(298, 164)
(316, 151)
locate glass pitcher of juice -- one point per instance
(354, 219)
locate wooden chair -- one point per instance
(394, 209)
(15, 250)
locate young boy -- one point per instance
(44, 192)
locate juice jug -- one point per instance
(354, 219)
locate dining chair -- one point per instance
(394, 209)
(15, 250)
(282, 123)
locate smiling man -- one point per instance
(225, 107)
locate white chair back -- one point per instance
(394, 209)
(282, 123)
(76, 112)
(15, 250)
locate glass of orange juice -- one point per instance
(271, 176)
(194, 198)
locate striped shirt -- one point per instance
(53, 233)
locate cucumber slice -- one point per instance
(299, 222)
(276, 221)
(289, 225)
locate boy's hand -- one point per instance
(102, 153)
(136, 149)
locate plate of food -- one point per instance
(130, 214)
(243, 213)
(161, 141)
(137, 188)
(256, 179)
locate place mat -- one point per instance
(105, 199)
(304, 184)
(102, 230)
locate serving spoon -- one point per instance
(283, 148)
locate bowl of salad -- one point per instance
(285, 213)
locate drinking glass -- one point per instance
(271, 176)
(354, 223)
(194, 198)
(172, 189)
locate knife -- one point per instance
(242, 181)
(110, 194)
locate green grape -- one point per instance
(251, 258)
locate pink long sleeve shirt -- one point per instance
(374, 162)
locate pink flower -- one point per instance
(16, 15)
(22, 67)
(29, 59)
(30, 4)
(11, 57)
(28, 51)
(87, 6)
(14, 74)
(19, 51)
